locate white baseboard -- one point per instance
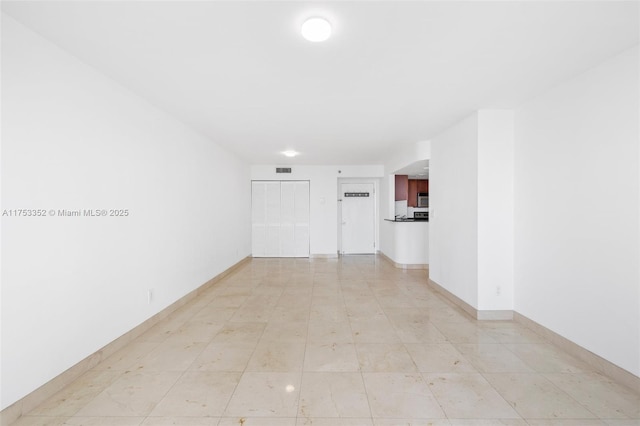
(499, 315)
(482, 315)
(323, 256)
(598, 363)
(404, 265)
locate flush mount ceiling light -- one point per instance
(316, 29)
(290, 153)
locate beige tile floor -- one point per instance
(348, 342)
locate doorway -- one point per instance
(358, 211)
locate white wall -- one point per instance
(403, 157)
(386, 198)
(495, 209)
(453, 201)
(471, 210)
(323, 197)
(407, 154)
(577, 267)
(387, 201)
(73, 139)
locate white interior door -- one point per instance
(358, 218)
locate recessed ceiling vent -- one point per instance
(283, 169)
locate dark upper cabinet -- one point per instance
(413, 191)
(402, 187)
(408, 189)
(416, 186)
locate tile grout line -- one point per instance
(304, 354)
(541, 374)
(226, 407)
(364, 386)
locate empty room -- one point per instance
(341, 213)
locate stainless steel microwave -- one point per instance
(423, 199)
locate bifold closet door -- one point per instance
(258, 218)
(302, 218)
(294, 218)
(280, 218)
(287, 219)
(265, 219)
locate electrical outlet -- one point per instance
(498, 290)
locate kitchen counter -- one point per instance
(407, 246)
(409, 219)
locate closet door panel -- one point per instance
(301, 241)
(287, 218)
(302, 217)
(287, 202)
(272, 244)
(258, 219)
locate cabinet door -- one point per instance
(401, 187)
(412, 201)
(423, 185)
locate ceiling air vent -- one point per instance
(283, 169)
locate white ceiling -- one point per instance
(393, 73)
(416, 170)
